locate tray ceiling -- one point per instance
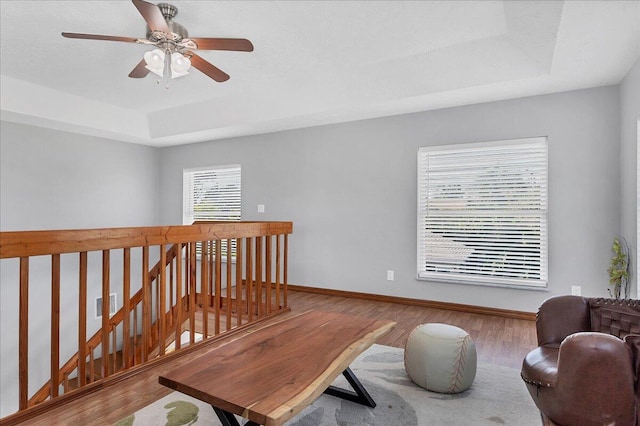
(314, 63)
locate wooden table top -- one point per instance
(271, 374)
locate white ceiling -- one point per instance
(315, 62)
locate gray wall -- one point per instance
(630, 203)
(350, 190)
(55, 180)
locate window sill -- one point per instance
(484, 283)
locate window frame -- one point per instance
(477, 276)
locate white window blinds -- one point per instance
(482, 213)
(212, 194)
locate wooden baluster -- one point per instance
(114, 342)
(286, 267)
(239, 307)
(211, 278)
(162, 301)
(126, 306)
(278, 266)
(179, 304)
(218, 281)
(268, 273)
(171, 288)
(187, 286)
(186, 272)
(249, 275)
(23, 333)
(259, 276)
(136, 360)
(105, 312)
(192, 295)
(204, 286)
(65, 382)
(55, 324)
(146, 304)
(156, 324)
(92, 368)
(229, 276)
(82, 320)
(212, 273)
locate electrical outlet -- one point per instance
(390, 275)
(576, 290)
(260, 208)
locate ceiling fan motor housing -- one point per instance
(178, 32)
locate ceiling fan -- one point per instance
(174, 49)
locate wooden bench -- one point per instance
(271, 374)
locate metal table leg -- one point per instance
(359, 393)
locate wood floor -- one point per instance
(498, 340)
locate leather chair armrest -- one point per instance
(595, 382)
(561, 316)
(540, 367)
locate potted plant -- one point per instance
(619, 268)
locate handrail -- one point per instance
(15, 244)
(190, 286)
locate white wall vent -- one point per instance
(112, 305)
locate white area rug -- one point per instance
(498, 396)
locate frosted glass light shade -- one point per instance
(155, 61)
(179, 65)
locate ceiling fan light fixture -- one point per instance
(180, 65)
(155, 61)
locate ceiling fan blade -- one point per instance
(140, 71)
(101, 37)
(237, 44)
(151, 13)
(209, 69)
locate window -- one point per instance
(482, 213)
(213, 193)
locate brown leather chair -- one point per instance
(584, 370)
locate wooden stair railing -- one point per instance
(127, 355)
(190, 287)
